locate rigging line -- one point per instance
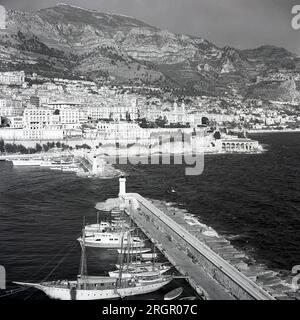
(12, 292)
(29, 296)
(58, 264)
(69, 245)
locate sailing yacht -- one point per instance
(99, 288)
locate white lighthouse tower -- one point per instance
(122, 186)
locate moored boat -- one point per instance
(149, 256)
(174, 294)
(99, 288)
(27, 162)
(110, 240)
(189, 298)
(136, 271)
(134, 251)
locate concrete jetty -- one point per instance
(207, 272)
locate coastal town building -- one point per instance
(121, 131)
(178, 114)
(16, 122)
(59, 105)
(12, 78)
(79, 108)
(10, 108)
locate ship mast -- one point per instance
(119, 281)
(129, 245)
(83, 265)
(98, 224)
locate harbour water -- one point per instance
(253, 200)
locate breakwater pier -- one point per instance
(210, 274)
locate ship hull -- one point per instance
(27, 163)
(104, 244)
(110, 245)
(129, 275)
(78, 294)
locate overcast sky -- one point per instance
(238, 23)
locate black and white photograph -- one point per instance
(149, 151)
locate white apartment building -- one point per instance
(119, 112)
(114, 112)
(12, 78)
(43, 134)
(96, 112)
(41, 124)
(37, 118)
(16, 122)
(10, 108)
(118, 131)
(59, 105)
(72, 118)
(121, 131)
(72, 114)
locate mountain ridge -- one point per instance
(66, 39)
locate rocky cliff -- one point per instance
(71, 41)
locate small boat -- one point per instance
(172, 191)
(133, 274)
(189, 298)
(137, 263)
(148, 256)
(134, 251)
(118, 221)
(173, 294)
(118, 218)
(27, 162)
(105, 226)
(116, 212)
(109, 240)
(97, 227)
(45, 164)
(140, 263)
(132, 271)
(69, 169)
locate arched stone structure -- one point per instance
(239, 146)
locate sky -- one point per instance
(238, 23)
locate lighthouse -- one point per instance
(122, 186)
